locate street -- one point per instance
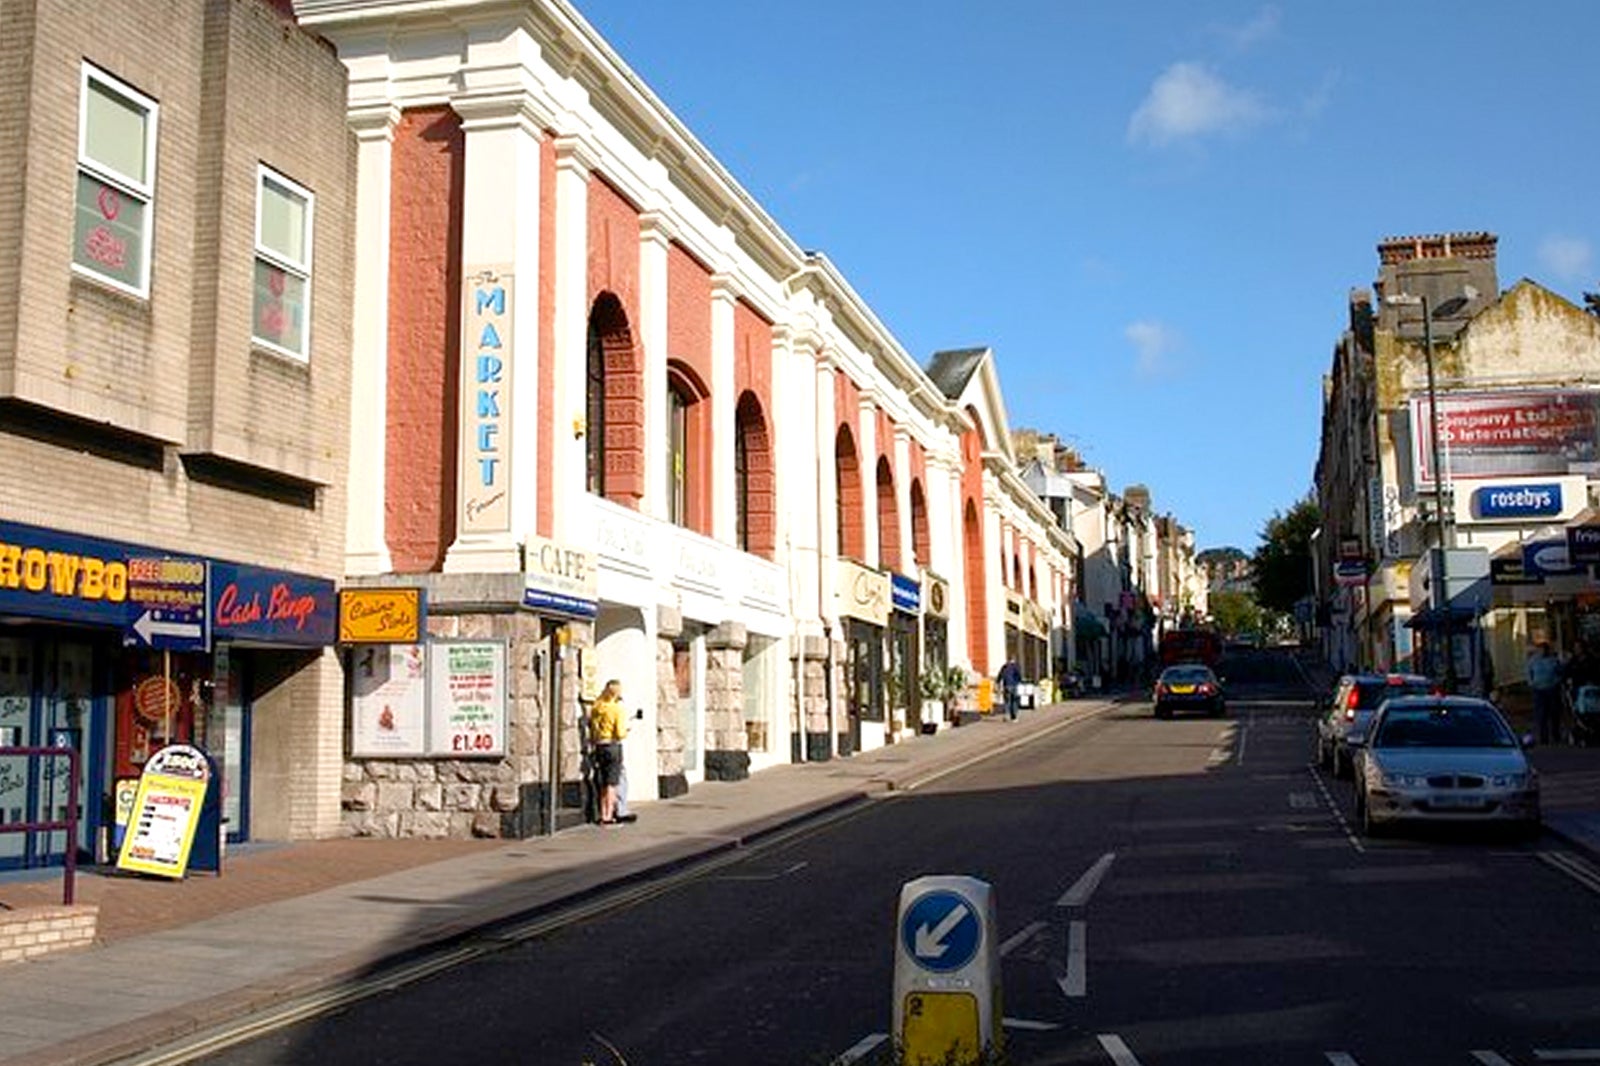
(1188, 891)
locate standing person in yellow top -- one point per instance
(608, 726)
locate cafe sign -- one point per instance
(380, 615)
(862, 593)
(558, 579)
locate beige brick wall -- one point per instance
(36, 931)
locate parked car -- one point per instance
(1342, 725)
(1189, 687)
(1444, 759)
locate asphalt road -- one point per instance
(1237, 919)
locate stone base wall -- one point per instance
(507, 796)
(811, 670)
(33, 932)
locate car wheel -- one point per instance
(1163, 712)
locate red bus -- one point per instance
(1190, 646)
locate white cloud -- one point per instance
(1188, 100)
(1262, 26)
(1567, 258)
(1154, 345)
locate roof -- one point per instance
(951, 370)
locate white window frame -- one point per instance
(302, 270)
(142, 190)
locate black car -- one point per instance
(1189, 687)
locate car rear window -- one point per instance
(1186, 675)
(1371, 693)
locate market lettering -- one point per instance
(65, 574)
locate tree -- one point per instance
(1235, 613)
(1282, 563)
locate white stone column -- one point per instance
(724, 401)
(957, 561)
(575, 160)
(995, 592)
(902, 499)
(366, 549)
(655, 245)
(497, 454)
(867, 461)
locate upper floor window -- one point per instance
(595, 411)
(282, 313)
(678, 404)
(114, 200)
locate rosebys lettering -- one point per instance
(282, 606)
(1519, 501)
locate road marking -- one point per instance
(1491, 1058)
(1340, 1058)
(1302, 801)
(1244, 736)
(1568, 1055)
(1117, 1049)
(1029, 1025)
(1580, 870)
(1075, 983)
(1078, 895)
(1349, 833)
(773, 876)
(1021, 937)
(862, 1049)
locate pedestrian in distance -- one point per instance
(1545, 679)
(608, 727)
(1009, 679)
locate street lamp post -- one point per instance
(1441, 569)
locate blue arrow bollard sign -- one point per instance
(941, 931)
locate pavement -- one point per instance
(287, 924)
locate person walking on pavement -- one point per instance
(1009, 679)
(608, 727)
(1544, 679)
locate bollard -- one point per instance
(947, 973)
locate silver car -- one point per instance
(1444, 759)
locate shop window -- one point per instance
(115, 194)
(595, 411)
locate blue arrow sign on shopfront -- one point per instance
(941, 931)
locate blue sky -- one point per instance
(1153, 212)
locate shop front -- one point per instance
(119, 650)
(863, 597)
(903, 656)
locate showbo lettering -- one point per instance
(56, 573)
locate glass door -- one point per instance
(17, 729)
(66, 698)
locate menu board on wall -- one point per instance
(467, 693)
(388, 700)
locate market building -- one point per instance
(577, 338)
(174, 383)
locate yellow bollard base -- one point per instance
(941, 1029)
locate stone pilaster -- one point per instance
(727, 742)
(671, 778)
(814, 731)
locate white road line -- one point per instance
(1074, 983)
(1568, 1055)
(1117, 1049)
(1029, 1025)
(1079, 893)
(1022, 936)
(863, 1048)
(1491, 1058)
(1349, 833)
(1340, 1058)
(1244, 735)
(1580, 870)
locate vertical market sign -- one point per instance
(485, 440)
(467, 697)
(166, 810)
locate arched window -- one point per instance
(688, 450)
(595, 411)
(921, 552)
(852, 532)
(888, 518)
(755, 518)
(677, 453)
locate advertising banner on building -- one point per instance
(388, 701)
(487, 302)
(467, 693)
(381, 616)
(1510, 433)
(862, 593)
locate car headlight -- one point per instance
(1522, 780)
(1390, 779)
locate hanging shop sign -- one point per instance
(467, 697)
(485, 413)
(1549, 558)
(255, 603)
(166, 812)
(558, 579)
(906, 593)
(167, 597)
(388, 701)
(381, 616)
(861, 593)
(938, 600)
(1511, 571)
(1583, 543)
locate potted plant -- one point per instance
(932, 685)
